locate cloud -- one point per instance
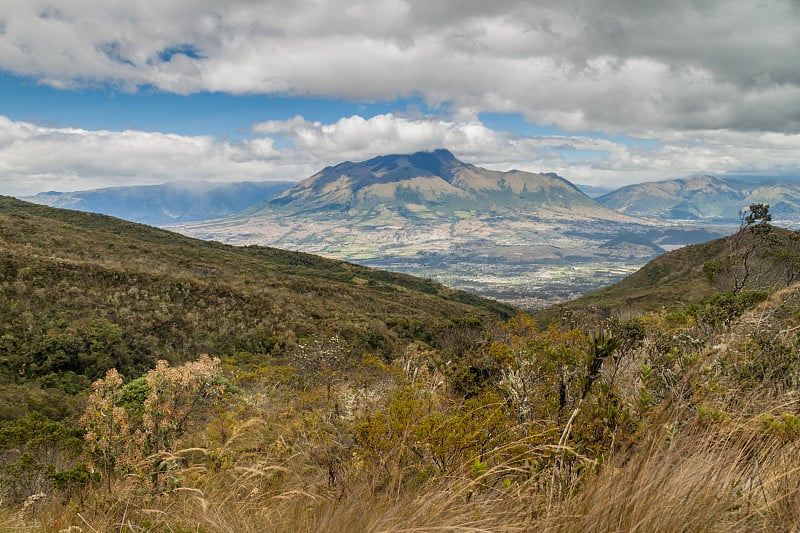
(35, 158)
(616, 65)
(358, 138)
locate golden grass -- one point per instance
(730, 475)
(685, 473)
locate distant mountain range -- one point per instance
(511, 235)
(593, 191)
(170, 203)
(705, 198)
(433, 185)
(526, 238)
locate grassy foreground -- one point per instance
(683, 427)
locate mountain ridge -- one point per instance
(409, 183)
(705, 198)
(508, 235)
(165, 204)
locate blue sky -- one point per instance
(223, 115)
(604, 94)
(218, 114)
(149, 109)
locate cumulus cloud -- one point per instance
(580, 158)
(358, 138)
(35, 158)
(616, 65)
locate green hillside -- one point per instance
(83, 293)
(692, 273)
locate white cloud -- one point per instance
(617, 65)
(36, 158)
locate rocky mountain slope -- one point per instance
(428, 186)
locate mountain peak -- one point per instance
(439, 162)
(441, 153)
(702, 197)
(429, 185)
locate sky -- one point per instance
(97, 93)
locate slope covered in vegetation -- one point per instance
(758, 258)
(84, 293)
(678, 419)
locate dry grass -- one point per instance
(732, 465)
(730, 475)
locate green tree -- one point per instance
(756, 215)
(749, 252)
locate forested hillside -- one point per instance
(84, 293)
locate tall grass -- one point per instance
(732, 464)
(732, 474)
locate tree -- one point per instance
(735, 271)
(756, 215)
(753, 226)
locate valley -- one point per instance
(525, 265)
(526, 239)
(528, 286)
(529, 240)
